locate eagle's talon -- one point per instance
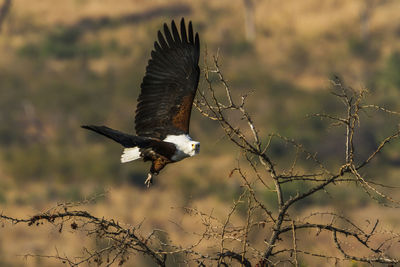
(149, 180)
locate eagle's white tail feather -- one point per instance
(130, 154)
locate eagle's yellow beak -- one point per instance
(196, 148)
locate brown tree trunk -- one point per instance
(250, 27)
(5, 8)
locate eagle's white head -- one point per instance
(195, 148)
(185, 146)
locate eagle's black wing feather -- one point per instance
(170, 84)
(124, 139)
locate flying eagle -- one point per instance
(164, 104)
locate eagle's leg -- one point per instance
(156, 166)
(149, 179)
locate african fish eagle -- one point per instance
(164, 104)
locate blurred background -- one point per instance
(74, 62)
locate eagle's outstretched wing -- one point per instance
(170, 84)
